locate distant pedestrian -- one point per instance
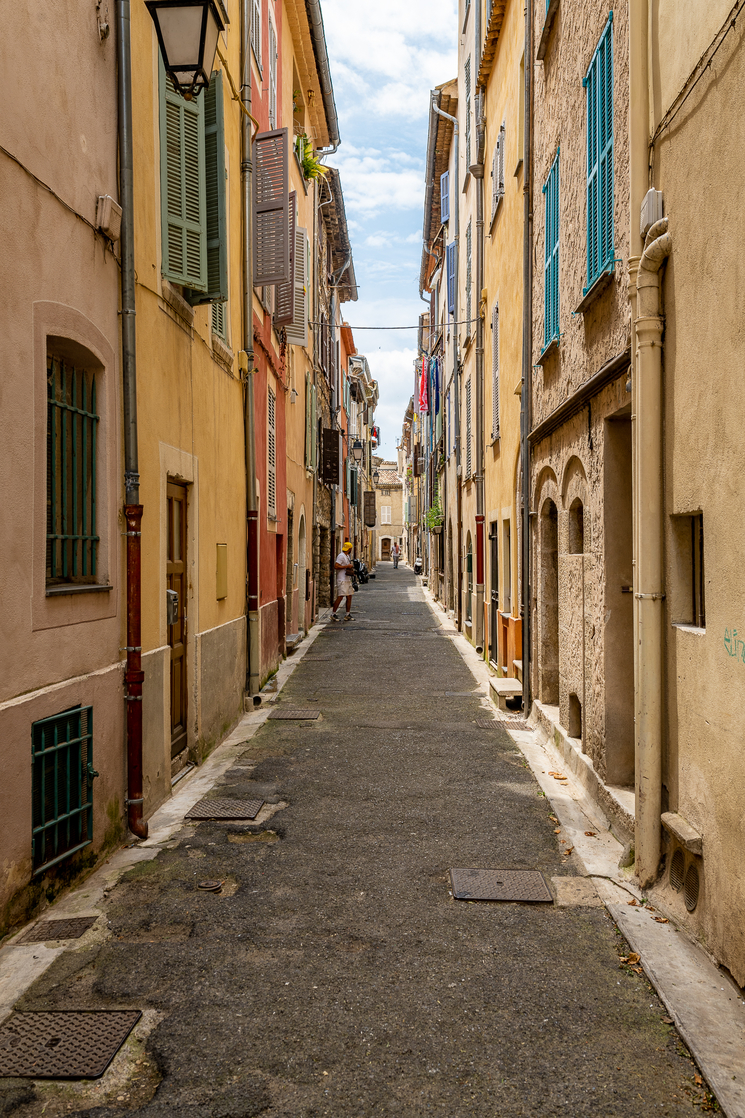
(395, 553)
(344, 586)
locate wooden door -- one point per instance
(385, 549)
(494, 602)
(176, 580)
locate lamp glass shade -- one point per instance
(357, 450)
(187, 34)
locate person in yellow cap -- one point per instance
(345, 589)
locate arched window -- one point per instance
(576, 527)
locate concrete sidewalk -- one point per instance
(335, 974)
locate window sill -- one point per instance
(222, 353)
(519, 167)
(77, 588)
(604, 280)
(466, 181)
(686, 627)
(549, 351)
(176, 302)
(548, 23)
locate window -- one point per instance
(469, 283)
(256, 32)
(385, 514)
(449, 425)
(521, 111)
(495, 371)
(450, 264)
(444, 197)
(468, 112)
(688, 593)
(576, 525)
(284, 303)
(551, 257)
(599, 86)
(218, 320)
(271, 206)
(469, 576)
(193, 194)
(468, 428)
(497, 172)
(271, 488)
(72, 425)
(272, 75)
(62, 774)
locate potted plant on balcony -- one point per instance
(434, 516)
(310, 163)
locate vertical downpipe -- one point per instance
(134, 675)
(478, 173)
(253, 648)
(527, 388)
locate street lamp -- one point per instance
(376, 476)
(357, 450)
(187, 32)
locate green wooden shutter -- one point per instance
(551, 256)
(215, 175)
(308, 422)
(314, 427)
(182, 187)
(598, 84)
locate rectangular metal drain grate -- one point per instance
(225, 809)
(516, 725)
(500, 885)
(299, 714)
(63, 1045)
(73, 928)
(487, 723)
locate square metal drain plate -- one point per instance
(225, 809)
(65, 1045)
(500, 885)
(300, 714)
(487, 723)
(516, 725)
(58, 929)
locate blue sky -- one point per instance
(385, 57)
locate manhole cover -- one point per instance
(58, 929)
(516, 725)
(210, 886)
(63, 1045)
(500, 885)
(300, 715)
(225, 809)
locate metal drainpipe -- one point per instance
(253, 648)
(335, 278)
(478, 173)
(527, 386)
(133, 675)
(649, 593)
(456, 371)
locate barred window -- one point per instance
(72, 426)
(62, 812)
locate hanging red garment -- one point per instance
(423, 393)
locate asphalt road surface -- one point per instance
(335, 975)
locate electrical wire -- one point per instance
(460, 322)
(236, 95)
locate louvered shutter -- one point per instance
(469, 281)
(271, 481)
(495, 180)
(182, 187)
(272, 75)
(598, 84)
(256, 31)
(218, 319)
(314, 427)
(467, 77)
(551, 256)
(308, 429)
(500, 169)
(297, 330)
(495, 371)
(216, 206)
(450, 265)
(271, 207)
(444, 197)
(468, 427)
(285, 301)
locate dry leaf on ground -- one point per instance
(661, 919)
(591, 834)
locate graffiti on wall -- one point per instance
(735, 647)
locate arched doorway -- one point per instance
(548, 604)
(469, 579)
(302, 576)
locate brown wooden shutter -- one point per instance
(271, 209)
(284, 308)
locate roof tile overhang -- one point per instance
(447, 100)
(491, 39)
(302, 42)
(335, 223)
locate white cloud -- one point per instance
(373, 182)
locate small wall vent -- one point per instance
(691, 887)
(677, 870)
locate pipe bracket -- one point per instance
(140, 801)
(652, 597)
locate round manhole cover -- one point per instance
(210, 886)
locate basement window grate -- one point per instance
(302, 714)
(62, 759)
(691, 888)
(677, 870)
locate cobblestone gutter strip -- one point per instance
(21, 965)
(706, 1006)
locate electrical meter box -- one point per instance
(171, 607)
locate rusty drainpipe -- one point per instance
(133, 675)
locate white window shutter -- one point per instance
(495, 371)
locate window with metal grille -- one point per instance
(469, 281)
(468, 112)
(468, 427)
(72, 423)
(495, 371)
(271, 487)
(598, 84)
(62, 800)
(551, 256)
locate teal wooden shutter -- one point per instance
(598, 84)
(215, 175)
(182, 187)
(551, 256)
(218, 320)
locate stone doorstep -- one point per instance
(617, 804)
(503, 689)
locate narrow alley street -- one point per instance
(335, 975)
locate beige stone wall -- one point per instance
(698, 166)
